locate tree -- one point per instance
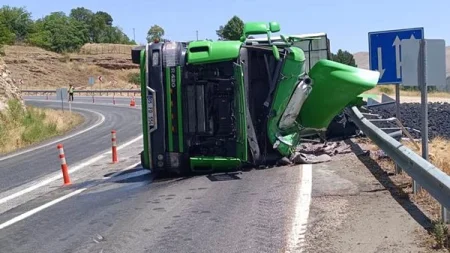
(39, 36)
(155, 32)
(233, 29)
(6, 36)
(84, 18)
(220, 33)
(57, 32)
(82, 15)
(344, 57)
(17, 20)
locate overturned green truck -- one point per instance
(215, 105)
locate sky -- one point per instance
(346, 22)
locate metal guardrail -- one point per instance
(431, 178)
(85, 91)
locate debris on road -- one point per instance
(311, 153)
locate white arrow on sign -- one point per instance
(380, 62)
(398, 63)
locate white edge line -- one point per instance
(71, 170)
(99, 122)
(300, 222)
(40, 208)
(56, 201)
(120, 171)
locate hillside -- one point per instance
(7, 88)
(35, 68)
(362, 59)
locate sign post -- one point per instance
(385, 57)
(425, 65)
(61, 94)
(91, 83)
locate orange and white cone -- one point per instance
(64, 167)
(115, 159)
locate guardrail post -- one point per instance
(445, 215)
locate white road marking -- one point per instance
(56, 177)
(120, 171)
(98, 123)
(40, 208)
(55, 201)
(300, 221)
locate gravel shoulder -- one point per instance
(355, 208)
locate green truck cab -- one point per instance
(220, 105)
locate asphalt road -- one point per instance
(248, 212)
(352, 210)
(239, 212)
(29, 166)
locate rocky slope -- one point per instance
(41, 69)
(7, 88)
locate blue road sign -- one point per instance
(91, 80)
(384, 52)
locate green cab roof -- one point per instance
(205, 51)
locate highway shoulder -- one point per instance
(353, 209)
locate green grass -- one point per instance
(21, 127)
(134, 78)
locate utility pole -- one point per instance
(197, 34)
(134, 35)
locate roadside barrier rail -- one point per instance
(428, 176)
(114, 92)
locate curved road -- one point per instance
(29, 166)
(267, 210)
(249, 212)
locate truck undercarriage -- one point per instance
(227, 104)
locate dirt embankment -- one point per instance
(35, 68)
(7, 88)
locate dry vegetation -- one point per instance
(390, 90)
(41, 69)
(116, 49)
(20, 128)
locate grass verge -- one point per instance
(21, 127)
(439, 150)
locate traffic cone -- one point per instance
(132, 102)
